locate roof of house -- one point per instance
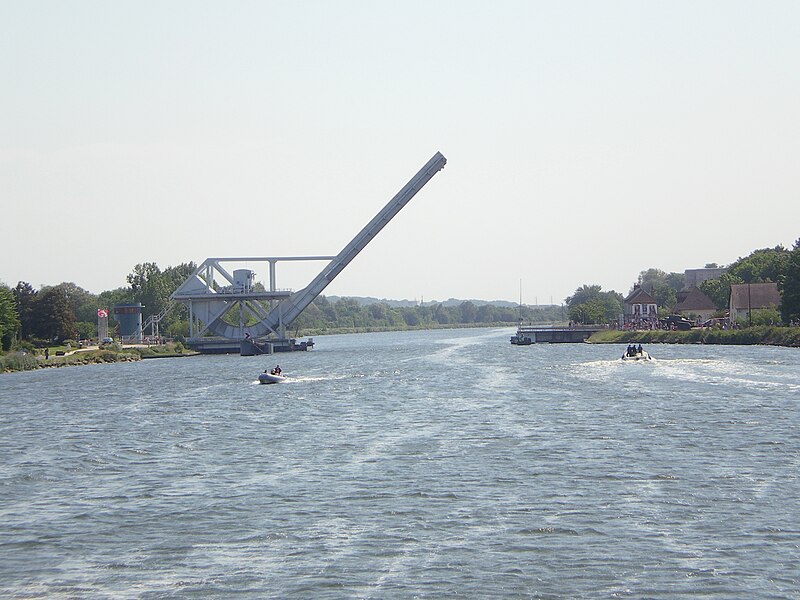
(693, 299)
(755, 295)
(639, 296)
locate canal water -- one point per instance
(425, 464)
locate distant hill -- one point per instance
(367, 300)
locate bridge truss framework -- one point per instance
(213, 293)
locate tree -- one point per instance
(53, 318)
(377, 311)
(327, 310)
(467, 311)
(760, 266)
(765, 316)
(789, 286)
(410, 316)
(150, 288)
(83, 303)
(25, 299)
(486, 313)
(583, 294)
(662, 286)
(664, 295)
(440, 314)
(612, 304)
(85, 329)
(9, 320)
(677, 281)
(347, 312)
(176, 275)
(590, 304)
(719, 290)
(589, 312)
(153, 287)
(119, 295)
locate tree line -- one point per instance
(54, 314)
(349, 314)
(68, 312)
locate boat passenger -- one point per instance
(639, 349)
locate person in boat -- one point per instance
(631, 350)
(639, 349)
(276, 370)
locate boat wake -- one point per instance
(307, 379)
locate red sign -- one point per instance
(102, 313)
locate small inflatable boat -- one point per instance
(271, 378)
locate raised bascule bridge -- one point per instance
(229, 312)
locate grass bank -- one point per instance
(26, 362)
(113, 353)
(766, 335)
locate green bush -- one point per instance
(23, 346)
(108, 355)
(18, 361)
(766, 316)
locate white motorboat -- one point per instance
(643, 355)
(267, 377)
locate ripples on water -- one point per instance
(397, 465)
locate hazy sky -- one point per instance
(586, 141)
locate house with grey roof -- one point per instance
(747, 298)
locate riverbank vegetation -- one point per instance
(24, 360)
(763, 334)
(346, 315)
(21, 361)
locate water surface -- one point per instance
(397, 465)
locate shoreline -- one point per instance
(17, 362)
(752, 336)
(766, 335)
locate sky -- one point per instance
(586, 141)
